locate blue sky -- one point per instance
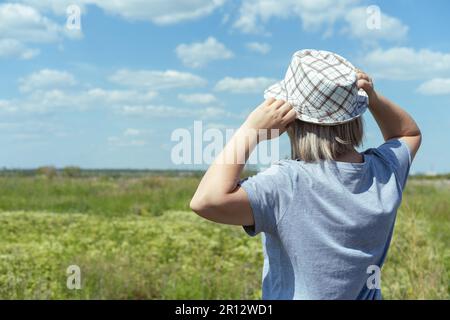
(110, 94)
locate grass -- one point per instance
(97, 195)
(418, 264)
(175, 255)
(134, 238)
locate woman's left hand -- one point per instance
(271, 118)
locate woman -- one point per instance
(327, 215)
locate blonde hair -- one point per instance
(313, 142)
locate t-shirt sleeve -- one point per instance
(396, 152)
(269, 193)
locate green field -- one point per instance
(134, 237)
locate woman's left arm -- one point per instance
(218, 197)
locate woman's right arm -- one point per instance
(394, 122)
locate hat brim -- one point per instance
(278, 91)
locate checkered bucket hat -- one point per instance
(321, 87)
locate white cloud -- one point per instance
(31, 130)
(198, 98)
(402, 63)
(44, 101)
(244, 85)
(131, 132)
(258, 47)
(22, 24)
(130, 137)
(390, 28)
(436, 86)
(157, 111)
(7, 107)
(15, 48)
(139, 143)
(50, 100)
(198, 54)
(160, 12)
(119, 96)
(317, 15)
(46, 78)
(157, 80)
(216, 125)
(38, 102)
(123, 142)
(50, 90)
(253, 14)
(58, 7)
(163, 111)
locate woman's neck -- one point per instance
(352, 156)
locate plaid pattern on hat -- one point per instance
(321, 87)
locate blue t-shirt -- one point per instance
(325, 223)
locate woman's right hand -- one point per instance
(364, 82)
(270, 119)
